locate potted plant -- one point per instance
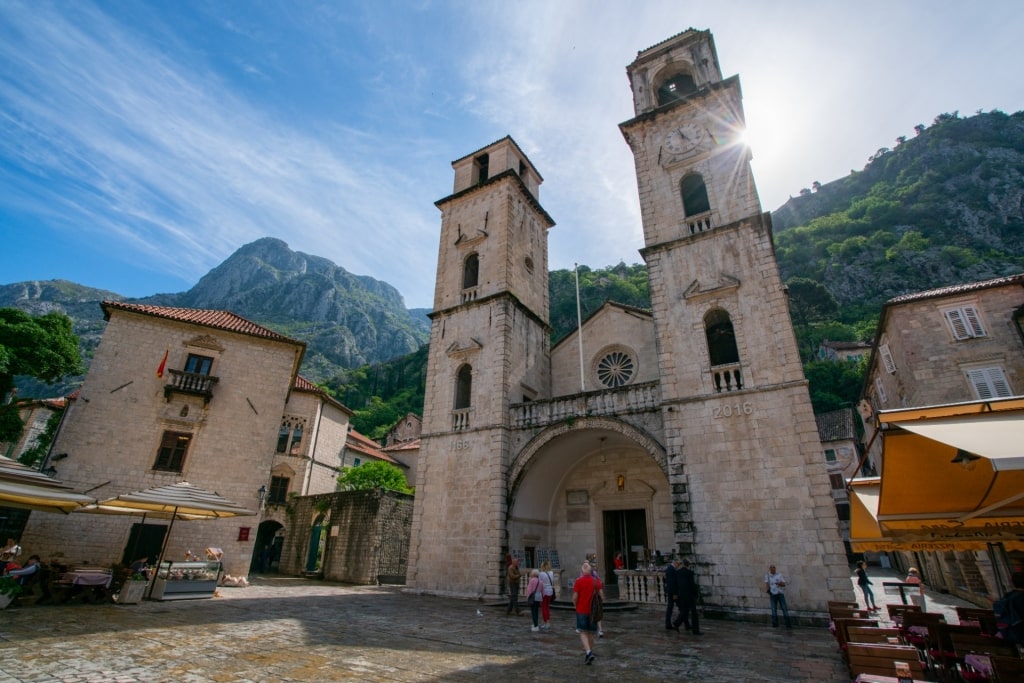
(132, 590)
(9, 589)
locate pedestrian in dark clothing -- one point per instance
(513, 576)
(672, 593)
(688, 594)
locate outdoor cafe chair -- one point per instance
(942, 655)
(965, 644)
(917, 625)
(880, 660)
(896, 612)
(984, 617)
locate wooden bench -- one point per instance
(843, 603)
(880, 660)
(848, 613)
(842, 629)
(873, 634)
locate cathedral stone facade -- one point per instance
(683, 429)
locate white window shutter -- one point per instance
(989, 382)
(956, 322)
(973, 321)
(880, 390)
(887, 361)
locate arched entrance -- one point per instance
(592, 488)
(266, 553)
(317, 539)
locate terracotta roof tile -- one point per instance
(221, 320)
(367, 446)
(836, 426)
(958, 289)
(303, 384)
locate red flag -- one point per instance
(163, 365)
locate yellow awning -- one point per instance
(935, 492)
(998, 437)
(867, 533)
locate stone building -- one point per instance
(35, 414)
(307, 458)
(171, 395)
(684, 429)
(945, 346)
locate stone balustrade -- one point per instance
(727, 377)
(642, 586)
(632, 398)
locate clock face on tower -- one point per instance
(683, 139)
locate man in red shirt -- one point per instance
(583, 590)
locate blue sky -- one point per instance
(141, 143)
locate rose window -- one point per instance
(615, 369)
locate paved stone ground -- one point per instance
(284, 629)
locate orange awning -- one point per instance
(952, 479)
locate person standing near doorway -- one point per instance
(672, 594)
(775, 586)
(688, 594)
(514, 576)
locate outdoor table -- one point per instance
(894, 587)
(88, 578)
(980, 663)
(85, 582)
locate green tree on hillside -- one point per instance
(43, 347)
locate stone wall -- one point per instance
(365, 535)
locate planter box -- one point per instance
(5, 600)
(131, 592)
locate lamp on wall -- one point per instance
(262, 495)
(965, 459)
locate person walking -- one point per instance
(775, 586)
(686, 579)
(535, 596)
(547, 579)
(514, 576)
(915, 578)
(672, 594)
(865, 586)
(583, 590)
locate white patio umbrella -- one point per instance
(178, 501)
(27, 488)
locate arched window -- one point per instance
(721, 338)
(471, 271)
(695, 195)
(463, 386)
(676, 88)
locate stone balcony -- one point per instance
(628, 399)
(191, 383)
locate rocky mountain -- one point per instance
(346, 320)
(943, 208)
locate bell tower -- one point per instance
(746, 466)
(489, 347)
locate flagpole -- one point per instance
(579, 326)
